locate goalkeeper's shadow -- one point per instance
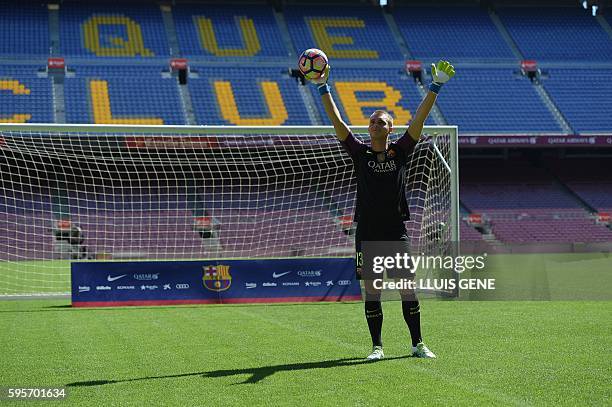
(257, 374)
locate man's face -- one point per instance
(379, 127)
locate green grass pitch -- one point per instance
(489, 353)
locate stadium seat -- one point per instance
(125, 31)
(584, 96)
(96, 89)
(24, 96)
(24, 29)
(228, 31)
(455, 33)
(556, 33)
(342, 32)
(233, 96)
(495, 100)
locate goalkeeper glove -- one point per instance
(440, 74)
(321, 81)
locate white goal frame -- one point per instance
(80, 129)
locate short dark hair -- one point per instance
(390, 118)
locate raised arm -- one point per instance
(440, 75)
(341, 128)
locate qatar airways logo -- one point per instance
(387, 166)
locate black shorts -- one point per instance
(394, 232)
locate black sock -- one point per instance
(374, 316)
(412, 316)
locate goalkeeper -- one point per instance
(381, 207)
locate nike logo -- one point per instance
(277, 275)
(109, 278)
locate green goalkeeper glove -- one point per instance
(440, 74)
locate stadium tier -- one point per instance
(342, 32)
(239, 96)
(461, 33)
(557, 33)
(574, 227)
(89, 30)
(25, 236)
(524, 203)
(588, 179)
(105, 94)
(516, 196)
(511, 184)
(24, 29)
(232, 92)
(24, 96)
(476, 104)
(228, 31)
(587, 108)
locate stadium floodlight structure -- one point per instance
(123, 192)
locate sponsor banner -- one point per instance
(218, 281)
(535, 141)
(205, 143)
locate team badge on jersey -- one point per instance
(217, 278)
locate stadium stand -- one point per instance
(510, 184)
(24, 95)
(24, 30)
(556, 33)
(342, 32)
(525, 204)
(236, 96)
(228, 31)
(588, 178)
(468, 233)
(110, 94)
(461, 33)
(238, 58)
(25, 235)
(132, 31)
(476, 104)
(546, 229)
(587, 108)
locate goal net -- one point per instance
(75, 192)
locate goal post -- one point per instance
(127, 192)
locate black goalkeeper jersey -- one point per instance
(381, 185)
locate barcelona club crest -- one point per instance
(217, 278)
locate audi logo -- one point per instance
(182, 286)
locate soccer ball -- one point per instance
(312, 63)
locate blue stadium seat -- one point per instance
(120, 31)
(135, 92)
(248, 96)
(584, 97)
(494, 100)
(557, 34)
(24, 30)
(353, 32)
(225, 23)
(451, 32)
(24, 94)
